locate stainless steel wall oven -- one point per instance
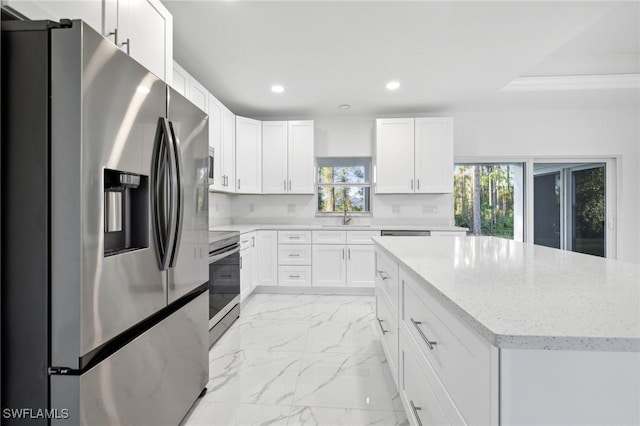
(224, 282)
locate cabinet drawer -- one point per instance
(294, 237)
(423, 397)
(329, 237)
(387, 277)
(387, 329)
(296, 276)
(361, 237)
(247, 240)
(294, 254)
(461, 359)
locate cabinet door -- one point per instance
(180, 80)
(274, 157)
(198, 95)
(215, 140)
(248, 156)
(329, 267)
(361, 266)
(300, 161)
(228, 149)
(434, 155)
(254, 263)
(149, 31)
(267, 256)
(394, 156)
(245, 273)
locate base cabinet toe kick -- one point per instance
(446, 372)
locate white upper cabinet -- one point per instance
(300, 162)
(287, 158)
(248, 156)
(189, 87)
(394, 155)
(148, 35)
(180, 80)
(414, 155)
(142, 28)
(198, 95)
(228, 151)
(274, 157)
(434, 155)
(215, 140)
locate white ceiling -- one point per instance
(447, 55)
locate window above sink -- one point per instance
(344, 183)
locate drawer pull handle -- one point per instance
(415, 412)
(381, 327)
(294, 255)
(294, 238)
(294, 276)
(383, 275)
(429, 343)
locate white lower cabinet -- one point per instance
(294, 276)
(338, 264)
(419, 389)
(267, 258)
(446, 373)
(329, 265)
(248, 264)
(460, 358)
(361, 261)
(294, 258)
(387, 320)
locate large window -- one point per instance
(344, 183)
(569, 206)
(489, 199)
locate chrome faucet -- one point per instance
(347, 217)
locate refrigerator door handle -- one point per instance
(163, 193)
(179, 197)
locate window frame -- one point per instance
(367, 184)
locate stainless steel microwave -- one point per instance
(212, 155)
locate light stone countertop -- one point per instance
(244, 228)
(525, 296)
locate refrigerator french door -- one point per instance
(104, 310)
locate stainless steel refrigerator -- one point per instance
(104, 234)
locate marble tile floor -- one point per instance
(300, 360)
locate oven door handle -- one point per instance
(234, 249)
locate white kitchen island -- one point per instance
(482, 330)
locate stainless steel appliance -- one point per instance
(404, 233)
(104, 233)
(224, 281)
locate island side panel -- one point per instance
(569, 387)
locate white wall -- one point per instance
(604, 133)
(487, 134)
(219, 209)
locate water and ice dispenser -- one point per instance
(126, 212)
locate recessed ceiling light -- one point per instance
(276, 88)
(393, 85)
(344, 107)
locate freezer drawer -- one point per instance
(155, 379)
